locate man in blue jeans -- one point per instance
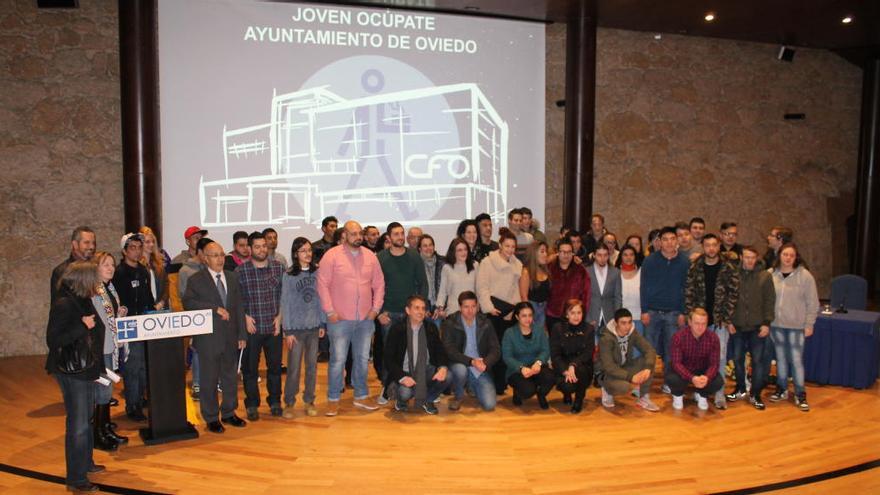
(472, 348)
(352, 289)
(664, 274)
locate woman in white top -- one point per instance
(498, 292)
(458, 275)
(631, 282)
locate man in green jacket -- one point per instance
(750, 325)
(620, 369)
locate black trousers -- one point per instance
(584, 376)
(540, 384)
(271, 346)
(218, 368)
(677, 384)
(499, 369)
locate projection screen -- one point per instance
(279, 114)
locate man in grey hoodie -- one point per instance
(620, 370)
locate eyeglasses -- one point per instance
(304, 251)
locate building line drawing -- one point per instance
(291, 170)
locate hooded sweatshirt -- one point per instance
(797, 302)
(616, 352)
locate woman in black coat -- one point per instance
(571, 352)
(73, 321)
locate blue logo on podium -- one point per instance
(127, 330)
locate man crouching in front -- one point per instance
(415, 359)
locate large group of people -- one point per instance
(495, 310)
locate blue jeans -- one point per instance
(343, 334)
(483, 386)
(135, 377)
(103, 393)
(540, 319)
(435, 388)
(79, 402)
(660, 329)
(723, 338)
(379, 344)
(640, 327)
(195, 367)
(789, 353)
(753, 344)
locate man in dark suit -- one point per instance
(218, 290)
(606, 289)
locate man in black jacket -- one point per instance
(220, 291)
(132, 283)
(472, 348)
(82, 247)
(415, 358)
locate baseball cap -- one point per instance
(123, 243)
(194, 230)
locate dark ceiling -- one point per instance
(807, 23)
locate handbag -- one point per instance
(76, 357)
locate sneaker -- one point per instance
(430, 408)
(757, 402)
(332, 408)
(454, 404)
(801, 402)
(401, 406)
(366, 404)
(437, 400)
(276, 411)
(311, 410)
(647, 404)
(735, 396)
(607, 399)
(382, 400)
(703, 403)
(253, 414)
(720, 403)
(665, 389)
(289, 412)
(677, 402)
(779, 395)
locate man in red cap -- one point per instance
(192, 236)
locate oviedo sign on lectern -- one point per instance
(162, 333)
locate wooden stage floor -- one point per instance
(512, 450)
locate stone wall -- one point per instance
(690, 126)
(685, 126)
(60, 151)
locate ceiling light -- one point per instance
(846, 20)
(710, 16)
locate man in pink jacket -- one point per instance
(352, 290)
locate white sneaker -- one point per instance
(702, 403)
(677, 402)
(665, 389)
(381, 400)
(607, 399)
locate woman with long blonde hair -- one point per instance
(154, 261)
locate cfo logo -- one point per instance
(127, 330)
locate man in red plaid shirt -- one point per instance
(694, 356)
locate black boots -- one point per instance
(578, 404)
(105, 438)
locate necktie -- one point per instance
(221, 289)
